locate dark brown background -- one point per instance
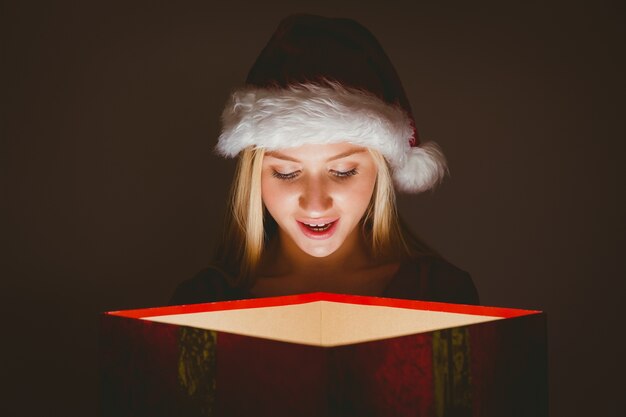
(111, 194)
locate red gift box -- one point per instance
(324, 355)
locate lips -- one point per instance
(318, 229)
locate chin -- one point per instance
(319, 252)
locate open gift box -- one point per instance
(324, 354)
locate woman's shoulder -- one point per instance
(433, 279)
(209, 285)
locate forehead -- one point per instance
(318, 152)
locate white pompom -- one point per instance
(424, 167)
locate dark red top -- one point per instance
(427, 279)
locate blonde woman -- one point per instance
(324, 136)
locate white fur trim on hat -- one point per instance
(278, 118)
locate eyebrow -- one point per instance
(278, 155)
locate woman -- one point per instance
(323, 132)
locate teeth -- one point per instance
(318, 227)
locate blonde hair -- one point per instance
(381, 221)
(248, 227)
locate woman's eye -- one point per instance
(344, 174)
(288, 176)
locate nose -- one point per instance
(315, 198)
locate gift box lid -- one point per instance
(324, 319)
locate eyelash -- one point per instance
(285, 177)
(293, 175)
(345, 174)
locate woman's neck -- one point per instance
(349, 270)
(284, 257)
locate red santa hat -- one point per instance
(322, 80)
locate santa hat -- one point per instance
(322, 80)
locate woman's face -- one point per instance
(318, 193)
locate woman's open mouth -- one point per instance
(318, 229)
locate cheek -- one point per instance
(275, 197)
(360, 193)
